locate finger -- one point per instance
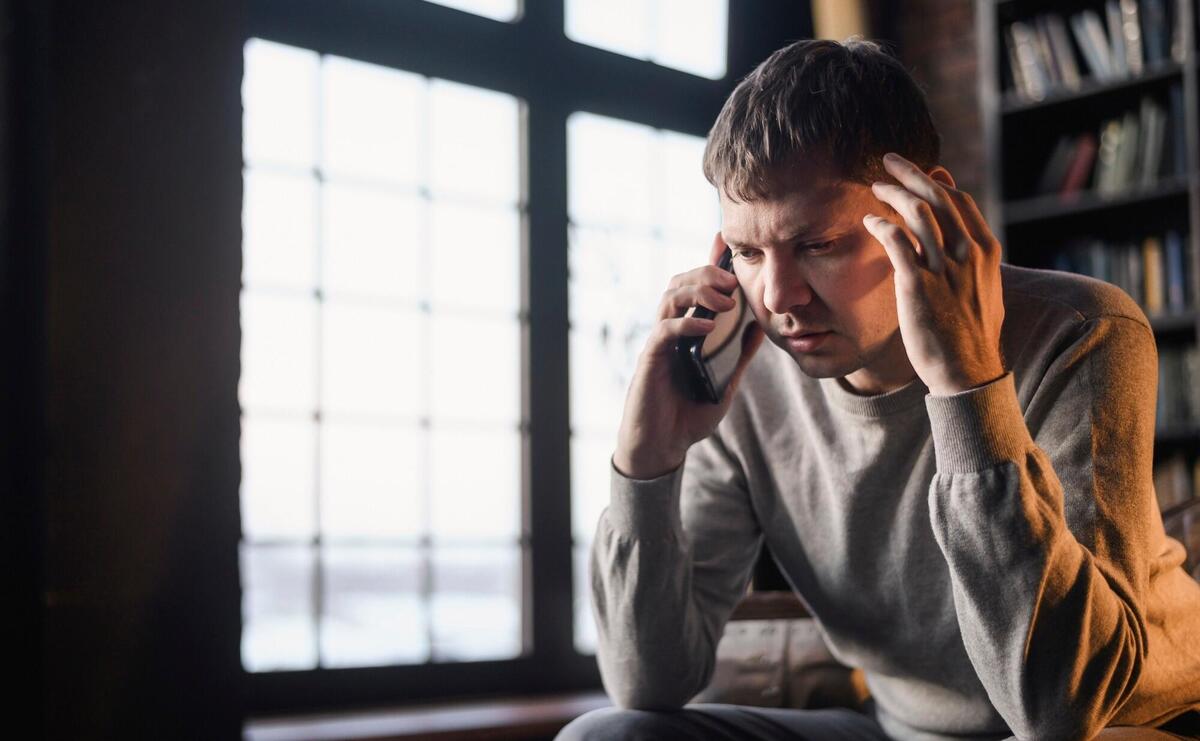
(752, 339)
(933, 192)
(977, 226)
(709, 274)
(899, 247)
(919, 217)
(667, 332)
(677, 301)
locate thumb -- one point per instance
(752, 339)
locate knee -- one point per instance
(609, 724)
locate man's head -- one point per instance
(793, 154)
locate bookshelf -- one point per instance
(1091, 124)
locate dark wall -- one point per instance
(141, 325)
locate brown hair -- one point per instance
(819, 102)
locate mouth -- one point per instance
(806, 341)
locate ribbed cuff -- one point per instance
(645, 505)
(976, 429)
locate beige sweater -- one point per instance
(993, 560)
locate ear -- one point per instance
(942, 175)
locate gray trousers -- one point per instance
(719, 721)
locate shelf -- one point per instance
(1015, 104)
(1055, 206)
(1180, 322)
(1176, 509)
(1177, 436)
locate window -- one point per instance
(498, 10)
(366, 432)
(687, 35)
(456, 232)
(640, 212)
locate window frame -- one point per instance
(438, 41)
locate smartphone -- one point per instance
(706, 362)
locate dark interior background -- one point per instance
(120, 198)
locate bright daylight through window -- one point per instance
(365, 190)
(640, 211)
(687, 35)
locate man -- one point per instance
(949, 458)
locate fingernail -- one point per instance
(892, 157)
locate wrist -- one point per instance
(643, 465)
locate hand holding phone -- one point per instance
(699, 379)
(662, 417)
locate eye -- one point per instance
(821, 246)
(746, 255)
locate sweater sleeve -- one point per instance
(1047, 519)
(671, 558)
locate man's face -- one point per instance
(806, 264)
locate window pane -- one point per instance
(609, 174)
(591, 479)
(278, 497)
(371, 121)
(688, 35)
(279, 230)
(476, 603)
(278, 625)
(601, 368)
(279, 98)
(371, 360)
(585, 622)
(371, 480)
(475, 372)
(278, 352)
(476, 258)
(690, 202)
(476, 484)
(372, 243)
(473, 133)
(500, 10)
(372, 607)
(615, 275)
(621, 26)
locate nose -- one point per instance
(784, 286)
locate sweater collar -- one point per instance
(879, 405)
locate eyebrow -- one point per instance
(802, 237)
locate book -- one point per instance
(1178, 48)
(1055, 172)
(1178, 131)
(1028, 61)
(1020, 84)
(1132, 32)
(1154, 31)
(1116, 38)
(1127, 152)
(1153, 272)
(1064, 53)
(1154, 122)
(1079, 173)
(1176, 278)
(1107, 156)
(1089, 35)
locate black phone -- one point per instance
(697, 378)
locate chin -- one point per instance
(820, 365)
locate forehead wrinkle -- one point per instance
(772, 221)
